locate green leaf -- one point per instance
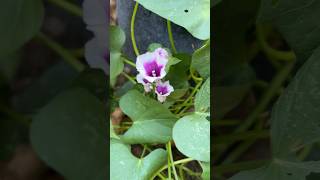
(172, 61)
(117, 39)
(295, 123)
(205, 171)
(42, 90)
(297, 21)
(153, 46)
(20, 21)
(280, 170)
(178, 76)
(126, 166)
(152, 122)
(72, 128)
(194, 15)
(94, 80)
(201, 60)
(191, 135)
(202, 101)
(116, 66)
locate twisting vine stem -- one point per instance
(171, 160)
(182, 161)
(65, 54)
(133, 39)
(171, 37)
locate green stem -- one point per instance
(64, 53)
(14, 115)
(230, 138)
(129, 62)
(190, 172)
(189, 98)
(171, 37)
(129, 77)
(143, 151)
(161, 176)
(193, 76)
(264, 102)
(133, 39)
(182, 161)
(243, 147)
(281, 55)
(229, 168)
(79, 53)
(73, 9)
(181, 173)
(267, 97)
(171, 160)
(169, 167)
(225, 122)
(305, 152)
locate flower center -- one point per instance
(152, 68)
(162, 90)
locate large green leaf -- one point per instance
(125, 166)
(295, 123)
(73, 128)
(152, 121)
(191, 135)
(201, 60)
(194, 15)
(20, 21)
(298, 21)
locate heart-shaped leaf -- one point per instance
(152, 121)
(201, 60)
(191, 134)
(197, 13)
(20, 21)
(73, 128)
(126, 166)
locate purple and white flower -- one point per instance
(151, 66)
(163, 89)
(146, 84)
